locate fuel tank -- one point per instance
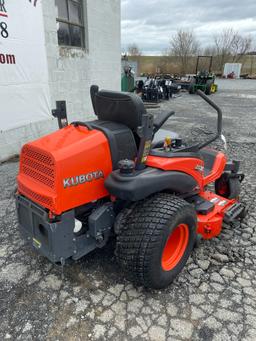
(65, 169)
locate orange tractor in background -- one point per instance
(118, 176)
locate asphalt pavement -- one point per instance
(214, 298)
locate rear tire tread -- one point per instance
(139, 231)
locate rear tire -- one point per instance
(155, 239)
(208, 88)
(191, 88)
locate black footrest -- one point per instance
(236, 211)
(202, 206)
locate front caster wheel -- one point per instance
(155, 239)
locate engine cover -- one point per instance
(65, 169)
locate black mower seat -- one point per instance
(119, 107)
(125, 108)
(128, 110)
(120, 117)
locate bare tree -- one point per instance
(184, 45)
(133, 50)
(223, 44)
(230, 45)
(240, 47)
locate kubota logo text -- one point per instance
(81, 179)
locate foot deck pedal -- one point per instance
(236, 211)
(202, 206)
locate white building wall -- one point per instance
(72, 70)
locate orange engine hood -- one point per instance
(65, 169)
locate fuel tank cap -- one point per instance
(126, 166)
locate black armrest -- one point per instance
(161, 119)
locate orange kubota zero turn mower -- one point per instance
(89, 181)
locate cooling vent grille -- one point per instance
(42, 200)
(38, 165)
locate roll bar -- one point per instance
(219, 121)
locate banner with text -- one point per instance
(24, 87)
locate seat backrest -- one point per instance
(119, 107)
(127, 109)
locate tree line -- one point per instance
(227, 46)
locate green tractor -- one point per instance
(203, 80)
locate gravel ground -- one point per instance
(214, 298)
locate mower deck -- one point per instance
(210, 222)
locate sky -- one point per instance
(151, 23)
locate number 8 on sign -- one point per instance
(3, 30)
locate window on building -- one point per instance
(70, 23)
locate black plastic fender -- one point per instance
(141, 184)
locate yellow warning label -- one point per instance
(36, 243)
(146, 151)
